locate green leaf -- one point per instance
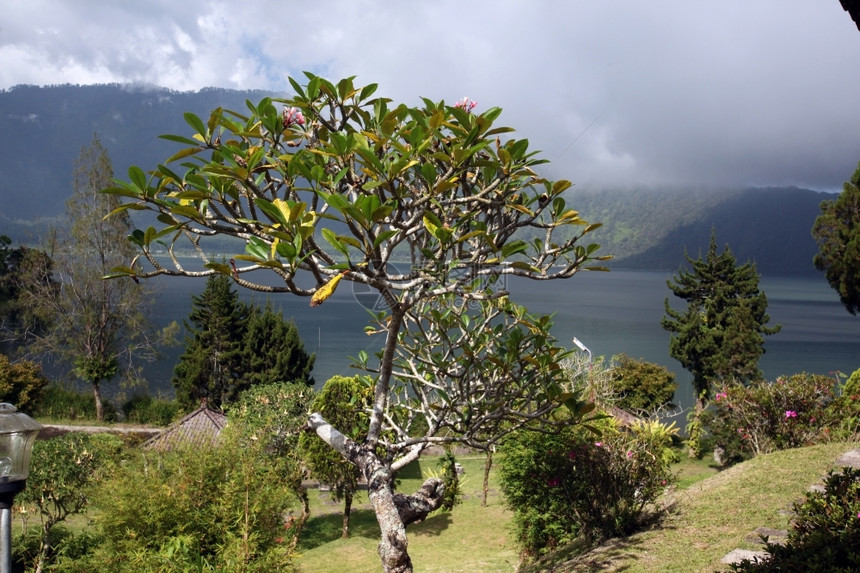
(384, 236)
(367, 91)
(332, 239)
(196, 123)
(271, 211)
(180, 139)
(137, 176)
(513, 248)
(183, 153)
(257, 248)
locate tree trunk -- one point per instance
(393, 544)
(487, 467)
(300, 522)
(347, 508)
(394, 511)
(45, 548)
(97, 396)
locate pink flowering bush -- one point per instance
(574, 484)
(792, 411)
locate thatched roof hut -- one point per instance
(202, 427)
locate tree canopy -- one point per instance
(430, 207)
(837, 231)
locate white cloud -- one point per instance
(627, 91)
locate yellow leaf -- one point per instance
(325, 291)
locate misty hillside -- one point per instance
(42, 130)
(652, 229)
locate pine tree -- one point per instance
(720, 335)
(210, 367)
(837, 231)
(272, 350)
(233, 346)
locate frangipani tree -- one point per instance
(426, 205)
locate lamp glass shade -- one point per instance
(18, 432)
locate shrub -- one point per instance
(852, 385)
(21, 383)
(144, 409)
(746, 421)
(60, 403)
(825, 534)
(568, 484)
(197, 509)
(63, 472)
(642, 386)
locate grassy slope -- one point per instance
(711, 518)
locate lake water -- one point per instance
(610, 313)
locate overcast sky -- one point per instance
(736, 92)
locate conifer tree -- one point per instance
(720, 335)
(232, 346)
(837, 231)
(272, 350)
(210, 367)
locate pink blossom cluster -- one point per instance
(466, 104)
(293, 116)
(720, 396)
(790, 414)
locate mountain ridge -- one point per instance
(42, 130)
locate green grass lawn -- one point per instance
(712, 514)
(471, 538)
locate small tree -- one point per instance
(642, 387)
(837, 231)
(344, 402)
(427, 206)
(62, 474)
(719, 337)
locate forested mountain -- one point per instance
(652, 229)
(42, 130)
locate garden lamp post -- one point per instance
(18, 431)
(583, 348)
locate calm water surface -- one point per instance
(611, 313)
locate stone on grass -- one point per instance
(735, 556)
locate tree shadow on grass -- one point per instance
(433, 525)
(616, 554)
(322, 529)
